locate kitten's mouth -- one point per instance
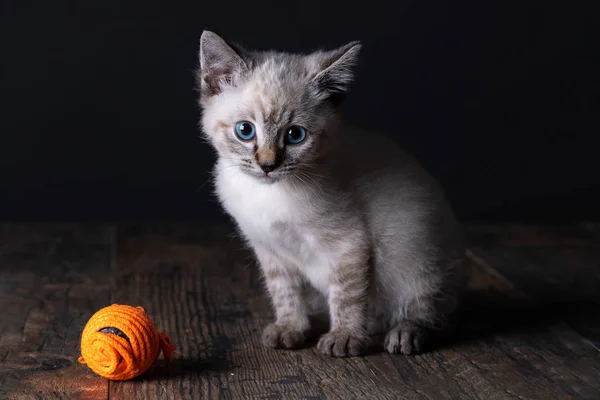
(269, 178)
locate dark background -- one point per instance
(98, 115)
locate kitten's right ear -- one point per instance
(220, 64)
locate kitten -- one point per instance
(338, 218)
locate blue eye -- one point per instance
(245, 130)
(295, 134)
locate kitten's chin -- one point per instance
(268, 180)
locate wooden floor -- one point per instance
(532, 328)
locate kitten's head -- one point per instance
(270, 113)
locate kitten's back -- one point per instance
(399, 196)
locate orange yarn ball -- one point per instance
(120, 342)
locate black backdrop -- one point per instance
(98, 116)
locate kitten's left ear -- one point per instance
(220, 64)
(338, 71)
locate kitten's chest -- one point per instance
(260, 209)
(279, 220)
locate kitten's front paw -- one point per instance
(342, 344)
(406, 339)
(280, 337)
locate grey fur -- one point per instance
(349, 223)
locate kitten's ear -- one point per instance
(220, 64)
(337, 73)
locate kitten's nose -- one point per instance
(268, 167)
(267, 159)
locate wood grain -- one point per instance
(585, 234)
(564, 280)
(52, 278)
(203, 289)
(529, 331)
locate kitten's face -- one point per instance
(269, 114)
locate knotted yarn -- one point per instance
(120, 342)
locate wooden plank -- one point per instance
(203, 289)
(518, 235)
(563, 279)
(52, 278)
(501, 351)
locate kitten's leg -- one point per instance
(348, 290)
(410, 325)
(431, 314)
(291, 326)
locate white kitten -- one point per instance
(332, 213)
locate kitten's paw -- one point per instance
(342, 344)
(280, 337)
(406, 339)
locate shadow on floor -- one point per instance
(487, 317)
